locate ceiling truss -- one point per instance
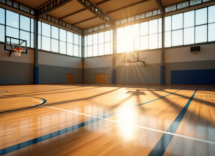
(82, 10)
(160, 6)
(107, 12)
(52, 5)
(97, 11)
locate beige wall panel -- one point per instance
(183, 54)
(90, 23)
(69, 8)
(46, 58)
(96, 62)
(24, 58)
(150, 57)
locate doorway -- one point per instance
(69, 78)
(101, 78)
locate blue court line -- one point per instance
(44, 101)
(63, 131)
(164, 141)
(157, 98)
(49, 136)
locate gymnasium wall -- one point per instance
(16, 70)
(94, 65)
(53, 68)
(180, 58)
(137, 73)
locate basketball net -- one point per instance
(17, 51)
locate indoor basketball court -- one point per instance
(107, 77)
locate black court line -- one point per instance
(44, 101)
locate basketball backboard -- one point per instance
(132, 56)
(11, 43)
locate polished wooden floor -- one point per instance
(111, 120)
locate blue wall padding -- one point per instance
(162, 75)
(193, 77)
(113, 76)
(36, 75)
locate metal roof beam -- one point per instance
(160, 6)
(114, 11)
(97, 11)
(50, 6)
(82, 10)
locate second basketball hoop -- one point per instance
(17, 49)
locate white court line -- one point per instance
(196, 94)
(38, 101)
(151, 129)
(203, 98)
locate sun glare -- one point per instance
(126, 119)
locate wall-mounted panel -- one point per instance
(183, 54)
(186, 66)
(193, 77)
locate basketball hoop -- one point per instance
(127, 61)
(17, 51)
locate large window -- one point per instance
(141, 36)
(17, 26)
(99, 44)
(196, 26)
(54, 39)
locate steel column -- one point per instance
(36, 67)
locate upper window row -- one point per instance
(99, 44)
(16, 21)
(196, 26)
(190, 19)
(57, 33)
(18, 26)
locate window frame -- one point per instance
(98, 44)
(59, 40)
(31, 33)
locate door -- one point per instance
(96, 78)
(101, 78)
(106, 78)
(69, 78)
